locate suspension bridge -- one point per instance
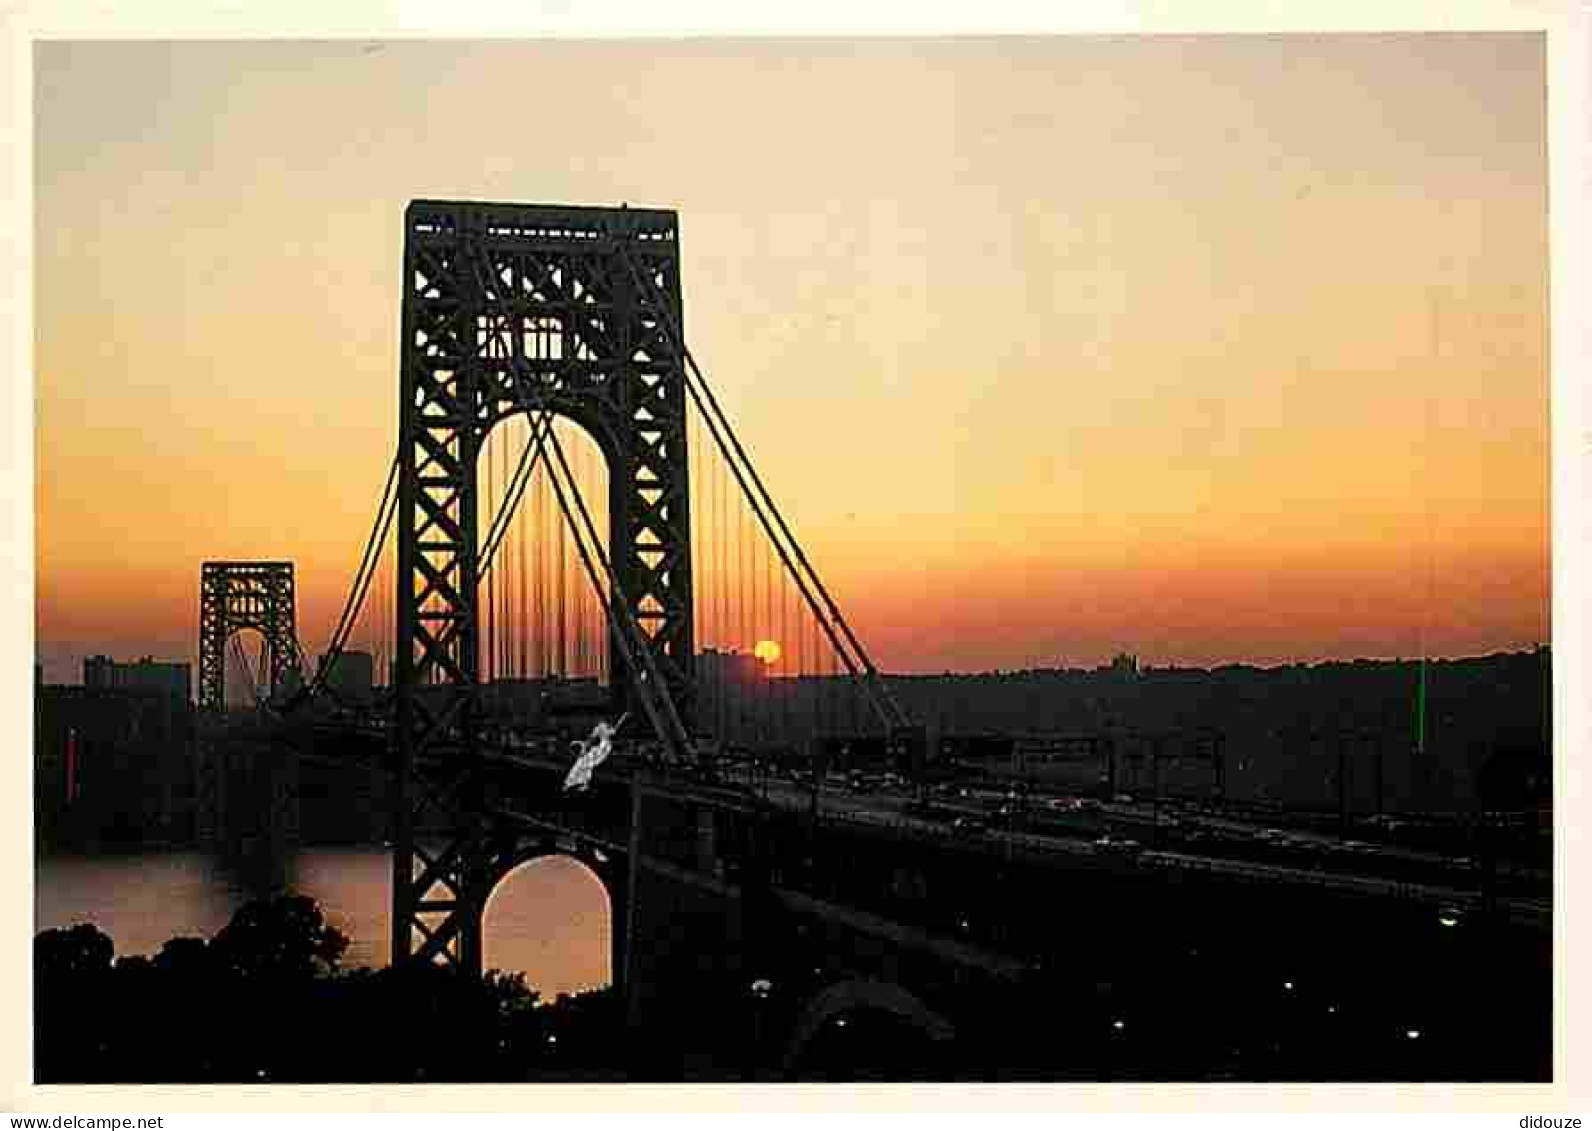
(572, 529)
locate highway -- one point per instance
(1087, 828)
(1117, 824)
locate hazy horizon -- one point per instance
(1213, 350)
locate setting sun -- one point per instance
(768, 651)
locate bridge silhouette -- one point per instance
(751, 914)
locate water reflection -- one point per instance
(549, 919)
(551, 914)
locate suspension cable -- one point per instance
(806, 578)
(649, 681)
(522, 475)
(242, 662)
(523, 668)
(386, 510)
(677, 729)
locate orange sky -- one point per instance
(1211, 349)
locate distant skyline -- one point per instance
(1207, 349)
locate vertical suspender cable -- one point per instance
(815, 699)
(539, 542)
(577, 603)
(563, 554)
(765, 632)
(655, 698)
(523, 670)
(787, 660)
(790, 551)
(488, 504)
(505, 621)
(743, 645)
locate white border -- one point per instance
(1569, 30)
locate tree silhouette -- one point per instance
(72, 952)
(266, 1000)
(183, 957)
(283, 937)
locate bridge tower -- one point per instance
(234, 596)
(238, 595)
(523, 309)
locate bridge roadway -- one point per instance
(715, 880)
(891, 809)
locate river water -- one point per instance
(549, 919)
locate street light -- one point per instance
(761, 989)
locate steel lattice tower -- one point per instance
(510, 309)
(239, 595)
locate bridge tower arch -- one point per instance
(609, 869)
(856, 994)
(539, 310)
(237, 595)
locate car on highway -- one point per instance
(969, 826)
(1123, 846)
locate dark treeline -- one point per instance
(266, 999)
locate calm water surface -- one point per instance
(548, 919)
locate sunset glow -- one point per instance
(1209, 350)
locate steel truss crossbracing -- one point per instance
(539, 310)
(237, 595)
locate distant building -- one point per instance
(1124, 664)
(728, 668)
(99, 673)
(174, 680)
(730, 687)
(514, 702)
(291, 682)
(351, 676)
(573, 706)
(114, 760)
